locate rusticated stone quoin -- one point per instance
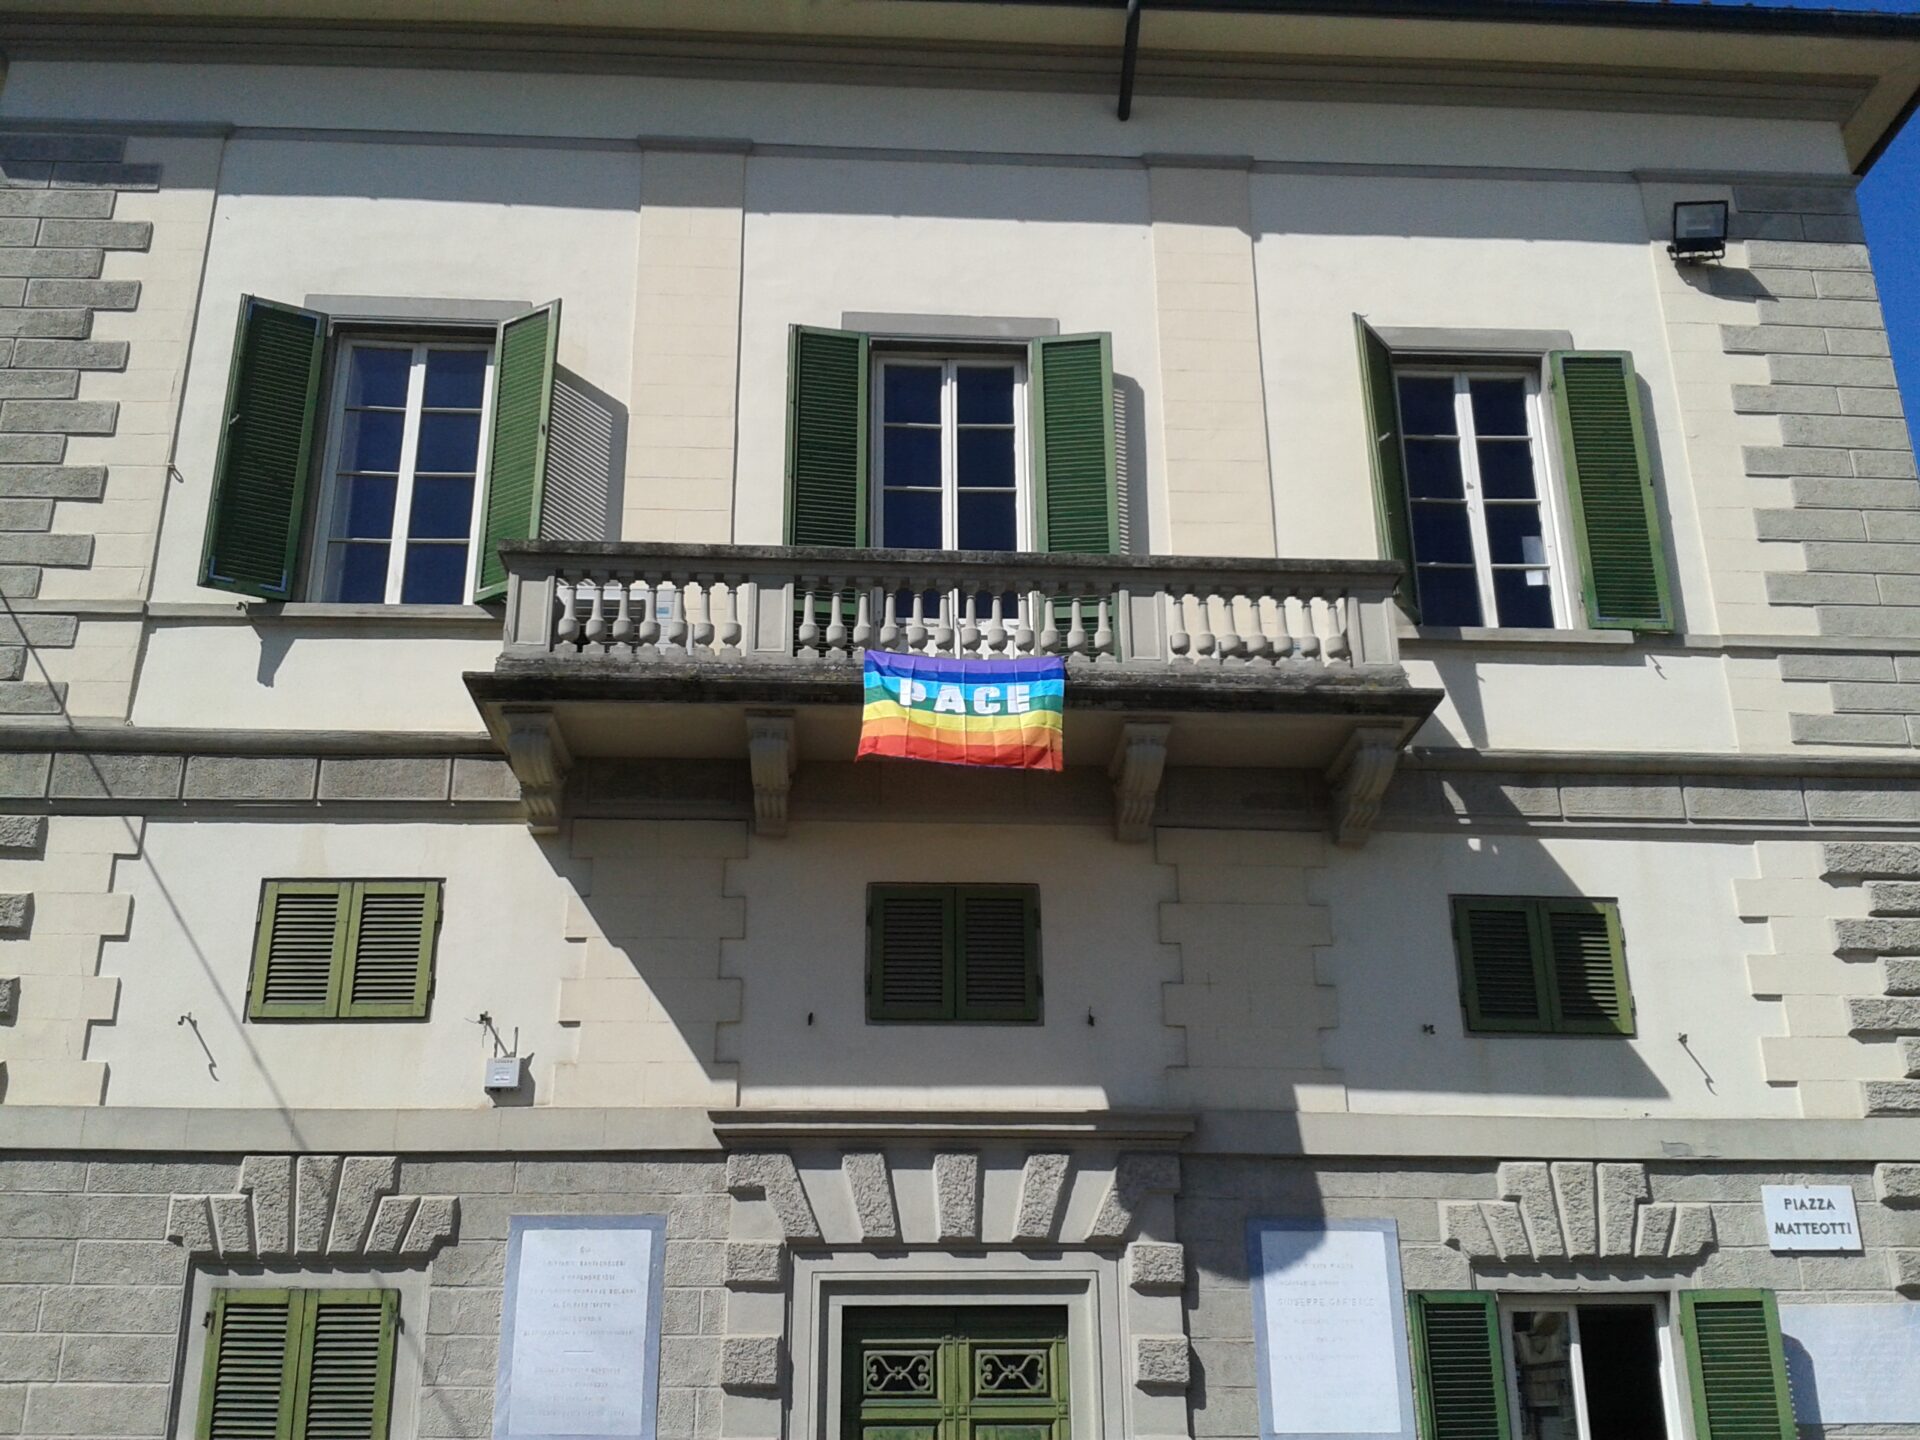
(320, 1204)
(1573, 1210)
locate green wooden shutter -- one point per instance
(1073, 448)
(346, 1369)
(1497, 940)
(827, 373)
(910, 943)
(1736, 1368)
(389, 961)
(298, 950)
(1384, 457)
(997, 950)
(522, 409)
(249, 1381)
(1616, 522)
(1587, 967)
(259, 498)
(1459, 1373)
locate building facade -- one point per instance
(449, 474)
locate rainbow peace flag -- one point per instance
(964, 712)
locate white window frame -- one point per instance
(322, 585)
(1672, 1382)
(1546, 481)
(951, 362)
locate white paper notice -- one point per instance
(580, 1333)
(1332, 1367)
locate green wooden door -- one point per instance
(913, 1373)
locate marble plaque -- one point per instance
(580, 1328)
(1853, 1364)
(1810, 1217)
(1330, 1329)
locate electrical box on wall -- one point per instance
(504, 1073)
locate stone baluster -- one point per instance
(997, 623)
(675, 637)
(943, 628)
(566, 625)
(890, 619)
(836, 636)
(596, 628)
(1256, 644)
(1339, 632)
(1309, 629)
(621, 631)
(646, 634)
(969, 624)
(1024, 601)
(917, 624)
(1283, 643)
(807, 635)
(700, 637)
(1179, 640)
(1103, 646)
(1076, 630)
(1205, 647)
(731, 628)
(1227, 643)
(863, 618)
(1049, 625)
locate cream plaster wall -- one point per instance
(1392, 963)
(194, 892)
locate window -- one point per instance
(282, 1364)
(953, 952)
(920, 1370)
(1496, 526)
(430, 453)
(403, 472)
(1534, 1367)
(1484, 551)
(948, 471)
(344, 949)
(1541, 966)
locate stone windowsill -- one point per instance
(476, 617)
(1420, 637)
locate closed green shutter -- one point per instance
(1073, 448)
(1459, 1374)
(259, 498)
(1587, 967)
(249, 1382)
(299, 1365)
(1499, 951)
(909, 942)
(1616, 520)
(1384, 457)
(997, 948)
(826, 437)
(1736, 1368)
(344, 949)
(522, 408)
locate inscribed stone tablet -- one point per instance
(1853, 1364)
(580, 1328)
(1330, 1328)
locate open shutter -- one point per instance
(1587, 967)
(910, 933)
(248, 1384)
(997, 944)
(266, 441)
(522, 407)
(1616, 523)
(299, 950)
(1459, 1376)
(389, 966)
(1073, 464)
(826, 437)
(1391, 520)
(346, 1371)
(1736, 1368)
(1500, 947)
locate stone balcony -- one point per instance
(686, 655)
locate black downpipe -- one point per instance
(1128, 55)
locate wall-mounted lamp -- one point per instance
(1699, 231)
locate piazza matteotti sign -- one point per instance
(1810, 1217)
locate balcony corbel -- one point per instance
(1358, 779)
(1139, 760)
(771, 760)
(538, 753)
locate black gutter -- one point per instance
(1130, 52)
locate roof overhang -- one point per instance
(1860, 70)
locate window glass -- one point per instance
(950, 469)
(405, 479)
(1587, 1372)
(1483, 540)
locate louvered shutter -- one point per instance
(1736, 1368)
(997, 953)
(827, 379)
(1384, 458)
(909, 948)
(346, 1373)
(1498, 943)
(389, 964)
(1616, 520)
(248, 1383)
(1073, 449)
(259, 499)
(1460, 1381)
(522, 411)
(298, 950)
(1587, 969)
